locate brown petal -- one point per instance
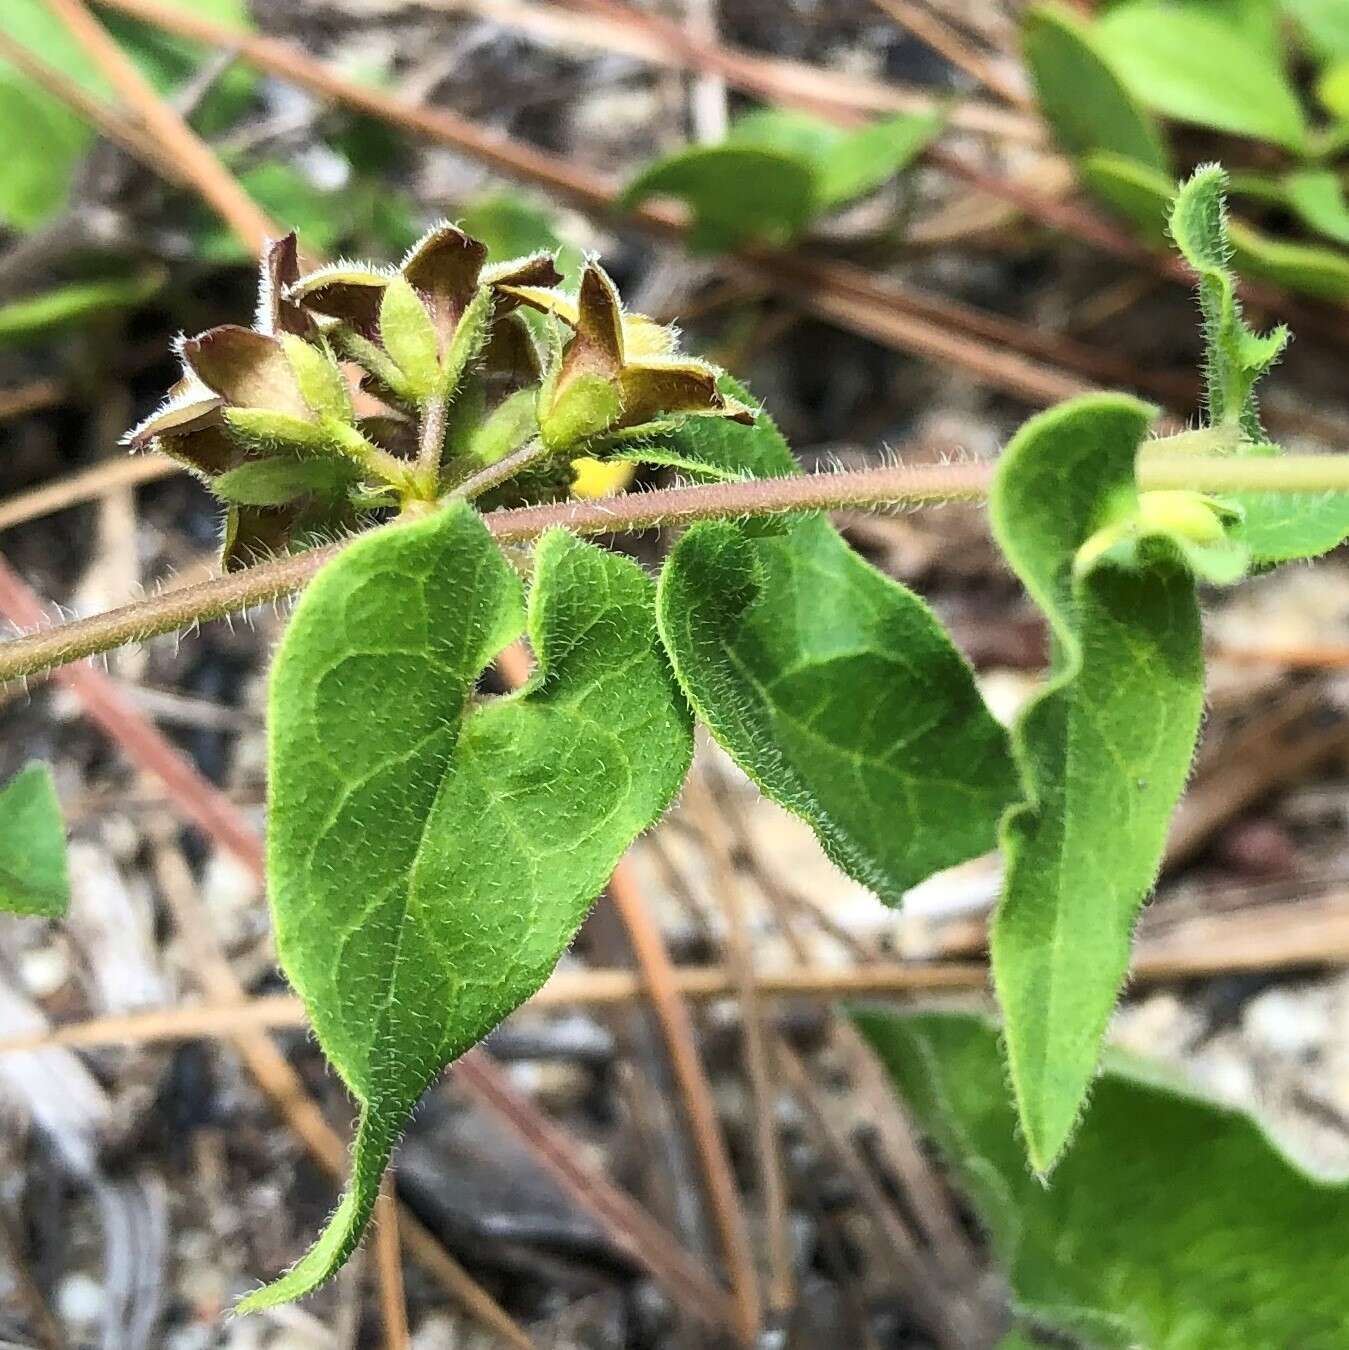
(444, 266)
(255, 533)
(188, 408)
(207, 453)
(536, 271)
(510, 360)
(277, 313)
(599, 324)
(247, 369)
(344, 291)
(654, 388)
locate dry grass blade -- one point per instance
(631, 1227)
(931, 29)
(661, 41)
(389, 1265)
(193, 159)
(698, 805)
(34, 397)
(112, 122)
(86, 486)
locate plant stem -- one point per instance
(504, 469)
(432, 445)
(895, 485)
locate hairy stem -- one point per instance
(432, 445)
(506, 468)
(893, 485)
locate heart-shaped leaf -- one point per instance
(1174, 1223)
(429, 860)
(833, 687)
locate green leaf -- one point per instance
(1173, 1224)
(41, 141)
(1279, 527)
(1079, 91)
(737, 194)
(430, 860)
(833, 688)
(409, 337)
(1236, 357)
(33, 877)
(1104, 750)
(279, 480)
(1317, 195)
(846, 164)
(1189, 64)
(506, 428)
(63, 307)
(1325, 23)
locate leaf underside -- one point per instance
(1173, 1223)
(430, 860)
(33, 875)
(834, 688)
(1105, 749)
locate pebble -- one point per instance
(80, 1300)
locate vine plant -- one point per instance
(432, 851)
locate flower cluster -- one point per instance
(360, 388)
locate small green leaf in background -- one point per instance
(1086, 102)
(1188, 63)
(1236, 357)
(1325, 23)
(1104, 748)
(33, 878)
(833, 687)
(1173, 1224)
(846, 164)
(737, 194)
(52, 312)
(777, 169)
(430, 860)
(1317, 195)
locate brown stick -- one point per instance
(193, 157)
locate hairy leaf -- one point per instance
(833, 687)
(1235, 356)
(1187, 63)
(1173, 1224)
(1104, 749)
(33, 877)
(1086, 102)
(280, 480)
(430, 861)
